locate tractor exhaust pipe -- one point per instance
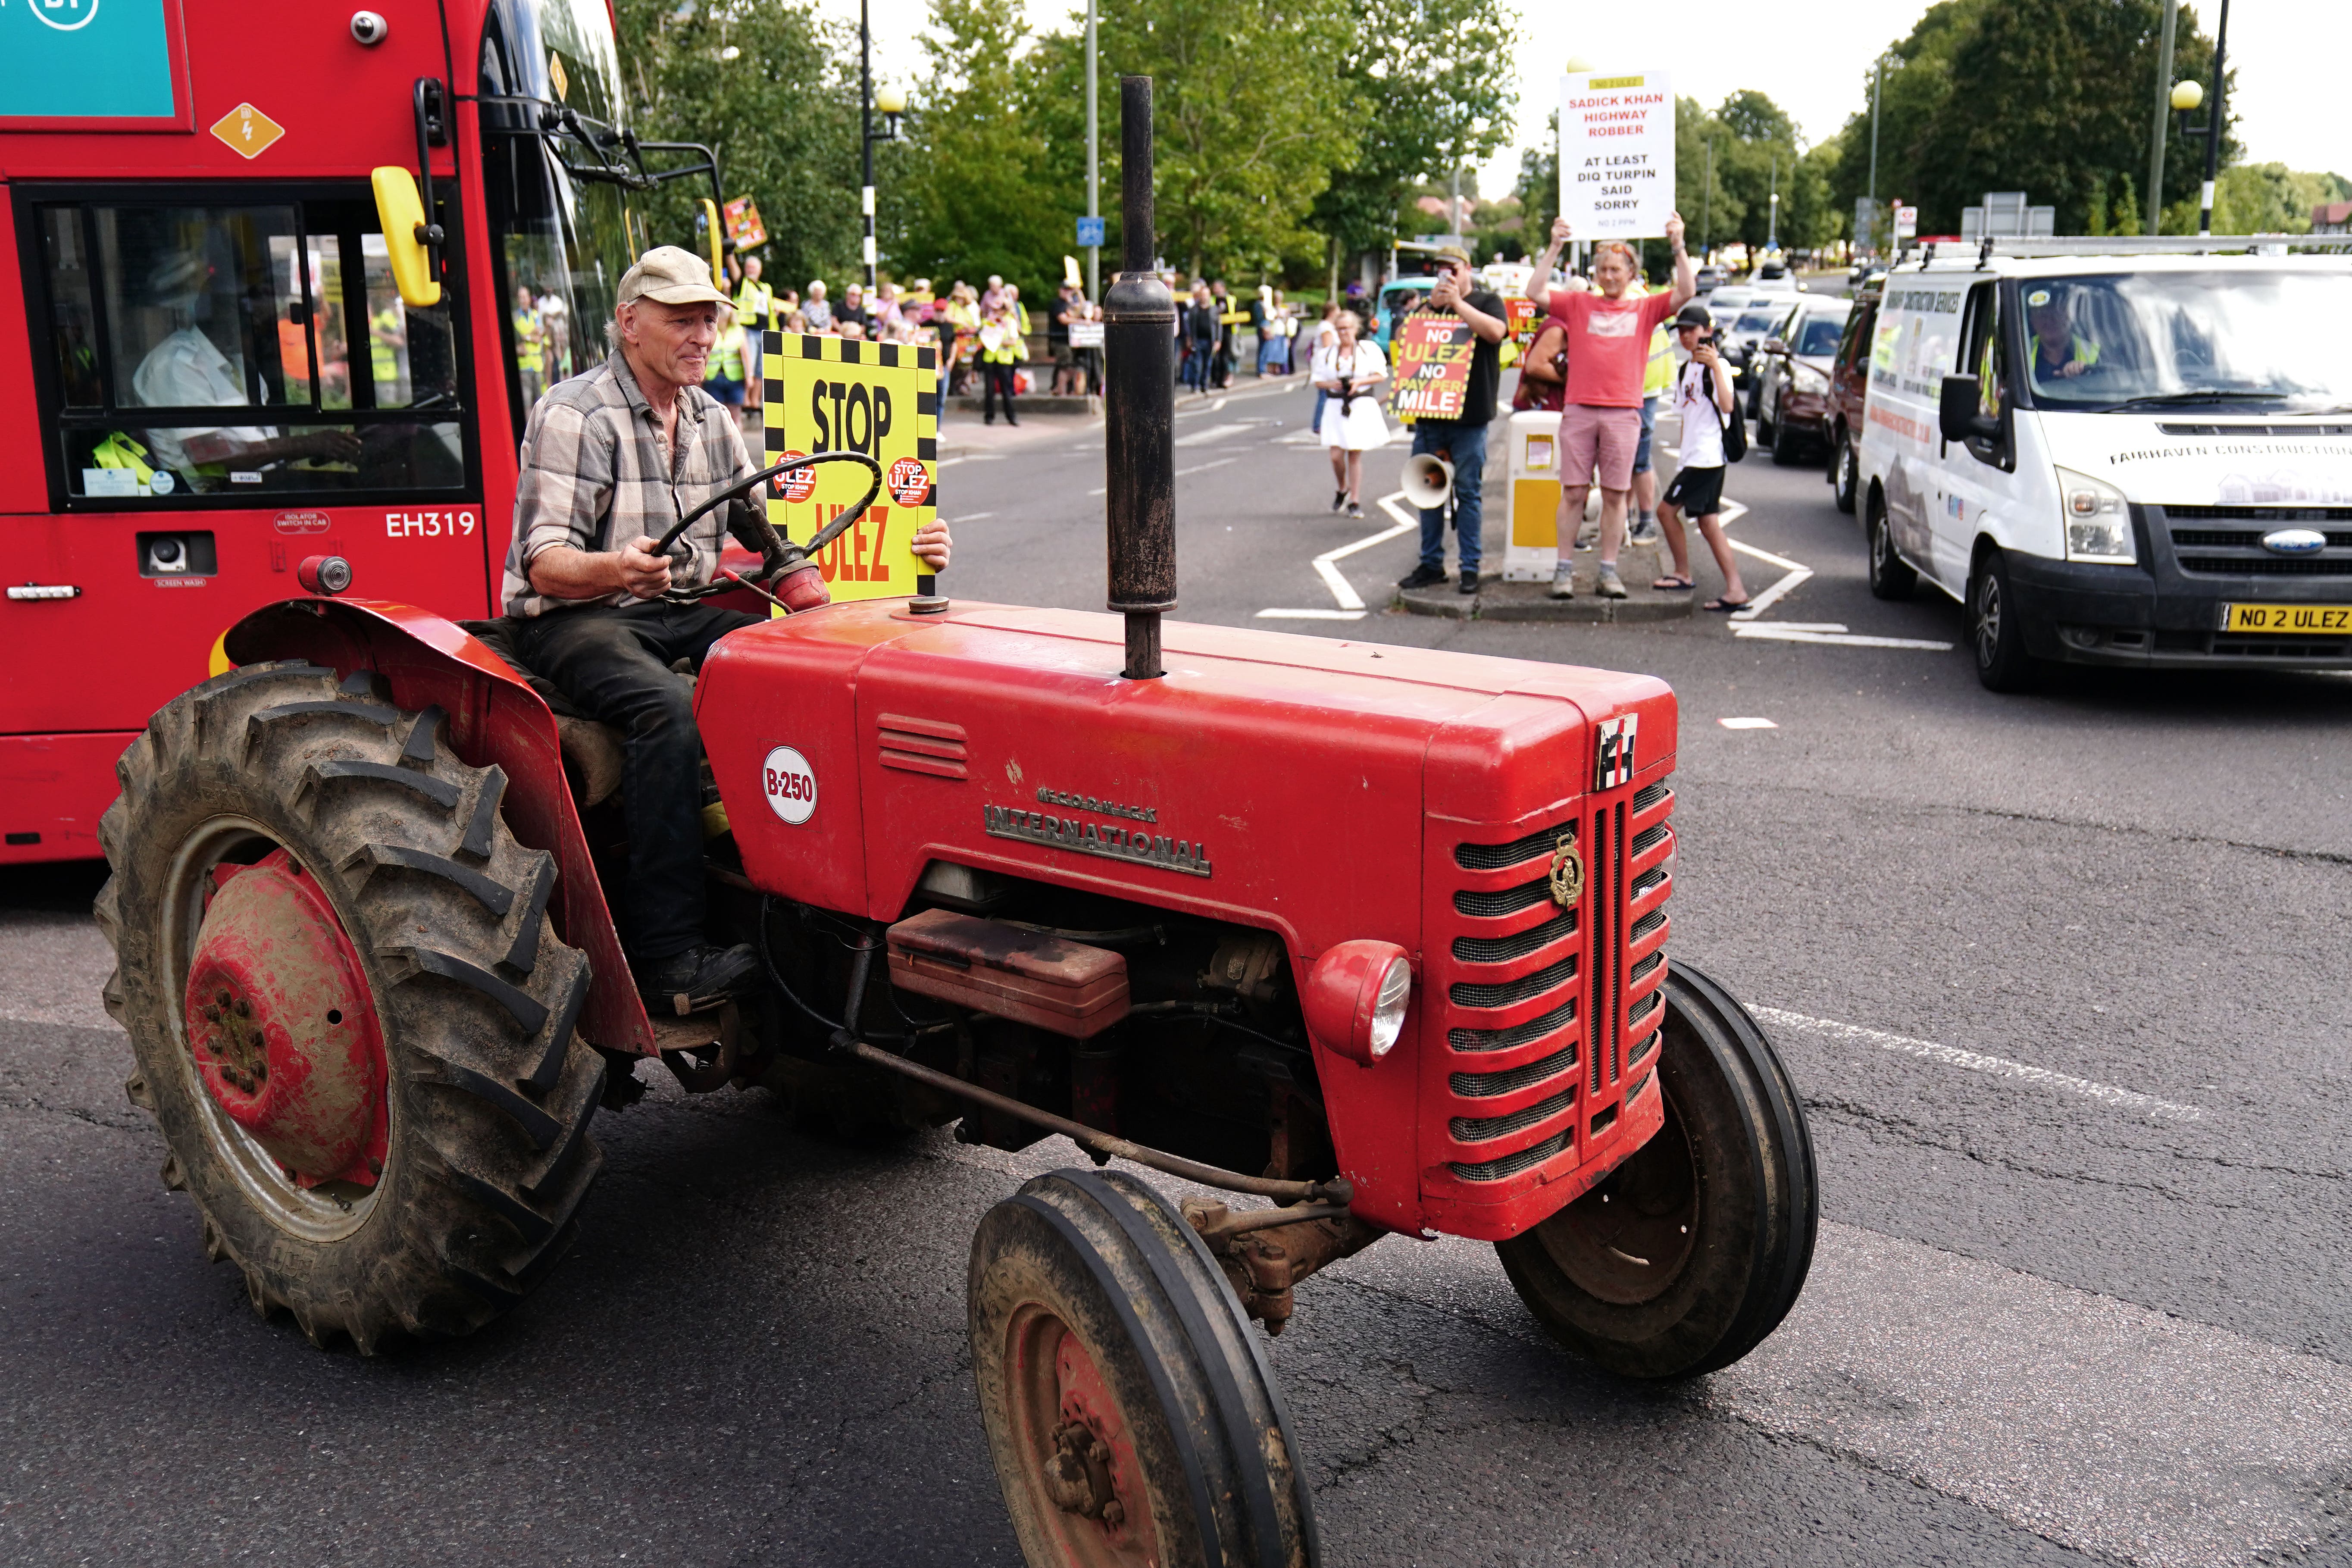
(1139, 397)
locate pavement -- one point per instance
(2060, 977)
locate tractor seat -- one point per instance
(591, 750)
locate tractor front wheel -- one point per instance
(350, 1020)
(1130, 1408)
(1683, 1258)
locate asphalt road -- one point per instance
(2061, 978)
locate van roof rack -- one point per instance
(2138, 245)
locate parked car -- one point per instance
(1792, 378)
(1710, 278)
(1742, 336)
(1849, 387)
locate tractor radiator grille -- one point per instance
(1485, 905)
(1550, 1010)
(1526, 1159)
(1480, 1129)
(1513, 1014)
(1485, 1085)
(1503, 949)
(1468, 993)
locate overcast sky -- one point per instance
(2289, 59)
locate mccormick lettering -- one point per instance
(1093, 839)
(1106, 807)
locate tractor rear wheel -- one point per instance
(1130, 1408)
(350, 1020)
(1682, 1259)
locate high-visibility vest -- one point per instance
(755, 306)
(1661, 372)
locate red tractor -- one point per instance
(1375, 933)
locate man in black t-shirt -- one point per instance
(1462, 442)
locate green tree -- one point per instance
(1710, 211)
(761, 81)
(1251, 120)
(1428, 99)
(2051, 97)
(977, 195)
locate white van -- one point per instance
(2124, 458)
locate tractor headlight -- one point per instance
(2097, 520)
(1355, 997)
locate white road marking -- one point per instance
(1215, 433)
(1773, 631)
(1750, 723)
(1972, 1061)
(1796, 575)
(974, 517)
(1351, 604)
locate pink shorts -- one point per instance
(1593, 437)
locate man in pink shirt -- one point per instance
(1601, 418)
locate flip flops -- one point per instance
(1670, 583)
(1724, 607)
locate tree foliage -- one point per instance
(1421, 74)
(978, 194)
(1250, 120)
(2053, 98)
(781, 112)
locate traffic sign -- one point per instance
(1090, 231)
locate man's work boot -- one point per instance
(702, 976)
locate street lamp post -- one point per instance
(2155, 136)
(866, 133)
(2214, 121)
(892, 103)
(2186, 97)
(1093, 166)
(1877, 90)
(1772, 229)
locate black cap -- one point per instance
(1692, 315)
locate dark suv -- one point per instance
(1849, 382)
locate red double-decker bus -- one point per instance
(210, 370)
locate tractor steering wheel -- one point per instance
(776, 541)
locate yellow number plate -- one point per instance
(2296, 620)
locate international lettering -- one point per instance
(1096, 838)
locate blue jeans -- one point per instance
(1641, 449)
(1464, 446)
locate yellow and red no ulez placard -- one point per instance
(826, 393)
(1433, 365)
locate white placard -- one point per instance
(1616, 154)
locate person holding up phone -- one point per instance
(1703, 402)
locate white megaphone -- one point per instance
(1428, 479)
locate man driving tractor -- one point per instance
(611, 459)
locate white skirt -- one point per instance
(1360, 429)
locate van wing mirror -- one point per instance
(1773, 345)
(401, 213)
(1959, 415)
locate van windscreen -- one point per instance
(2134, 339)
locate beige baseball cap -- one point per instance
(671, 275)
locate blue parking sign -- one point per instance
(1090, 231)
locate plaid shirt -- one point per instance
(594, 477)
